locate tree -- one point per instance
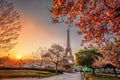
(4, 60)
(97, 20)
(113, 67)
(55, 52)
(87, 57)
(39, 55)
(9, 25)
(111, 53)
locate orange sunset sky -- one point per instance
(38, 30)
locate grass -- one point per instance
(24, 73)
(89, 76)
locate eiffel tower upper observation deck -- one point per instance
(68, 60)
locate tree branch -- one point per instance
(105, 3)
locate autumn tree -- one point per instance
(111, 56)
(97, 20)
(111, 53)
(87, 58)
(56, 52)
(9, 25)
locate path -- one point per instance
(65, 76)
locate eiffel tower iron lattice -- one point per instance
(68, 60)
(68, 52)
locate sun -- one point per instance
(18, 57)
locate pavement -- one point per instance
(64, 76)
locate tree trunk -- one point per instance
(93, 71)
(56, 68)
(40, 67)
(115, 72)
(57, 63)
(41, 63)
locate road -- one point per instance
(65, 76)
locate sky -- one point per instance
(38, 29)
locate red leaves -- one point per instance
(111, 52)
(81, 44)
(93, 20)
(108, 14)
(58, 3)
(77, 25)
(85, 47)
(88, 38)
(90, 46)
(117, 34)
(79, 32)
(55, 12)
(70, 3)
(64, 11)
(115, 30)
(61, 2)
(83, 28)
(55, 21)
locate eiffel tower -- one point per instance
(68, 59)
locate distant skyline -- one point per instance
(38, 30)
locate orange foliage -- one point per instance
(94, 18)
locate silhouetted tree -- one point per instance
(55, 52)
(9, 25)
(39, 55)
